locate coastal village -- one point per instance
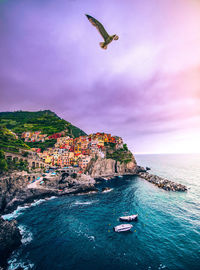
(37, 165)
(76, 152)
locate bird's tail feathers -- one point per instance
(102, 45)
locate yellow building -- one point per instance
(101, 142)
(77, 148)
(48, 159)
(71, 155)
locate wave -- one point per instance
(51, 198)
(15, 263)
(37, 202)
(16, 213)
(84, 203)
(90, 237)
(161, 266)
(84, 233)
(27, 235)
(20, 209)
(106, 191)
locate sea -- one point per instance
(76, 232)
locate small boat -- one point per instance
(129, 218)
(123, 228)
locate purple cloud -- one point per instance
(145, 87)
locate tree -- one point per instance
(3, 163)
(25, 154)
(74, 175)
(2, 155)
(125, 147)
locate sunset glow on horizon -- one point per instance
(145, 87)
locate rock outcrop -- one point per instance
(110, 167)
(161, 182)
(69, 184)
(10, 239)
(14, 190)
(127, 168)
(10, 186)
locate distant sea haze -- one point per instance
(75, 232)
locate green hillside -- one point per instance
(123, 155)
(45, 121)
(9, 142)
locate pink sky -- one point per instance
(145, 87)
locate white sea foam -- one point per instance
(20, 209)
(37, 202)
(27, 236)
(84, 203)
(51, 198)
(14, 264)
(15, 261)
(91, 237)
(106, 191)
(161, 266)
(15, 213)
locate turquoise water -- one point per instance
(76, 232)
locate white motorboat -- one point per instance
(123, 228)
(129, 218)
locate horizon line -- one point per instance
(170, 153)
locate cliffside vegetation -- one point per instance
(3, 163)
(18, 165)
(6, 165)
(10, 142)
(42, 145)
(123, 155)
(45, 121)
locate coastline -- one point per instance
(15, 196)
(84, 185)
(28, 197)
(41, 193)
(10, 238)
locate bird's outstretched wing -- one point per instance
(99, 26)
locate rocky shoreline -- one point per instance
(15, 190)
(162, 182)
(10, 239)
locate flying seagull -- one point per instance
(107, 39)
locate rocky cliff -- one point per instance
(10, 239)
(15, 189)
(11, 187)
(109, 167)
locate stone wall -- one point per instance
(33, 161)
